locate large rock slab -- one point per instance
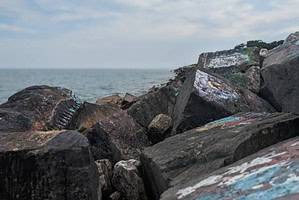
(54, 165)
(205, 97)
(112, 133)
(38, 108)
(202, 150)
(280, 76)
(227, 58)
(269, 174)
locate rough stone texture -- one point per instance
(105, 176)
(280, 76)
(126, 179)
(112, 133)
(202, 150)
(47, 165)
(128, 100)
(115, 196)
(253, 79)
(159, 128)
(292, 37)
(269, 174)
(153, 103)
(205, 97)
(227, 58)
(113, 99)
(38, 108)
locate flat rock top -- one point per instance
(19, 141)
(269, 174)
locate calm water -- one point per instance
(88, 84)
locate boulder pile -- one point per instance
(226, 127)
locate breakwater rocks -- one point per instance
(226, 127)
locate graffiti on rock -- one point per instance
(227, 60)
(273, 175)
(233, 121)
(212, 88)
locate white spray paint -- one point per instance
(212, 88)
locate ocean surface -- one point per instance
(87, 84)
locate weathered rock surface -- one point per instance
(54, 165)
(280, 76)
(128, 100)
(38, 108)
(269, 174)
(112, 133)
(205, 97)
(194, 153)
(113, 99)
(159, 100)
(105, 176)
(127, 180)
(159, 128)
(153, 103)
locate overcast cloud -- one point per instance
(134, 33)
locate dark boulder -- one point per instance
(159, 128)
(127, 180)
(128, 100)
(38, 108)
(105, 175)
(159, 100)
(271, 173)
(54, 165)
(205, 97)
(112, 133)
(280, 76)
(155, 102)
(202, 150)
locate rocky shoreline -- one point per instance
(224, 128)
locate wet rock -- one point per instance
(159, 128)
(227, 58)
(126, 179)
(105, 176)
(270, 174)
(113, 100)
(54, 165)
(280, 76)
(202, 150)
(112, 133)
(38, 108)
(206, 97)
(128, 100)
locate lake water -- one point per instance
(87, 84)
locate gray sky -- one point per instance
(134, 33)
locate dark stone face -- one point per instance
(202, 150)
(47, 165)
(205, 97)
(38, 108)
(112, 133)
(280, 76)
